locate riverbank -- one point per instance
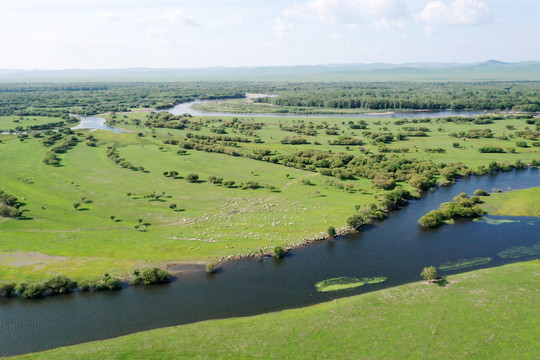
(419, 320)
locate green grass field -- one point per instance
(484, 314)
(11, 122)
(513, 203)
(211, 222)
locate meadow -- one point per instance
(131, 218)
(481, 314)
(513, 203)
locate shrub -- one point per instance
(59, 284)
(490, 149)
(357, 220)
(331, 231)
(211, 268)
(429, 273)
(151, 276)
(7, 289)
(192, 178)
(481, 192)
(522, 144)
(34, 291)
(279, 252)
(106, 283)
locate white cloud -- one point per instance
(179, 17)
(349, 12)
(282, 29)
(459, 12)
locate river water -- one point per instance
(95, 123)
(396, 248)
(186, 108)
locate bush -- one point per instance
(490, 149)
(356, 221)
(7, 289)
(106, 283)
(59, 284)
(429, 273)
(151, 276)
(211, 268)
(522, 144)
(192, 178)
(481, 192)
(279, 252)
(33, 291)
(331, 231)
(421, 182)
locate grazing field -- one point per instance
(115, 202)
(524, 202)
(487, 313)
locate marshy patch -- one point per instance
(344, 283)
(464, 263)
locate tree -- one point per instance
(278, 252)
(76, 205)
(429, 273)
(192, 178)
(356, 220)
(331, 231)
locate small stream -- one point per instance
(396, 248)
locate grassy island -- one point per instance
(513, 203)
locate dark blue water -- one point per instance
(396, 248)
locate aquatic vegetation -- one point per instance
(464, 263)
(343, 283)
(520, 251)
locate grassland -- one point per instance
(210, 222)
(513, 203)
(488, 313)
(12, 122)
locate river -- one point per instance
(396, 248)
(186, 108)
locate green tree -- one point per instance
(279, 252)
(331, 231)
(192, 178)
(429, 273)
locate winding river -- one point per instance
(186, 108)
(396, 248)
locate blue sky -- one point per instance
(60, 34)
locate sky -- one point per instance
(110, 34)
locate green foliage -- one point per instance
(192, 178)
(7, 289)
(33, 291)
(331, 231)
(461, 206)
(357, 220)
(429, 273)
(59, 284)
(279, 252)
(150, 276)
(481, 192)
(491, 149)
(211, 268)
(107, 282)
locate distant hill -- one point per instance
(491, 70)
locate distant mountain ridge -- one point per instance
(418, 71)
